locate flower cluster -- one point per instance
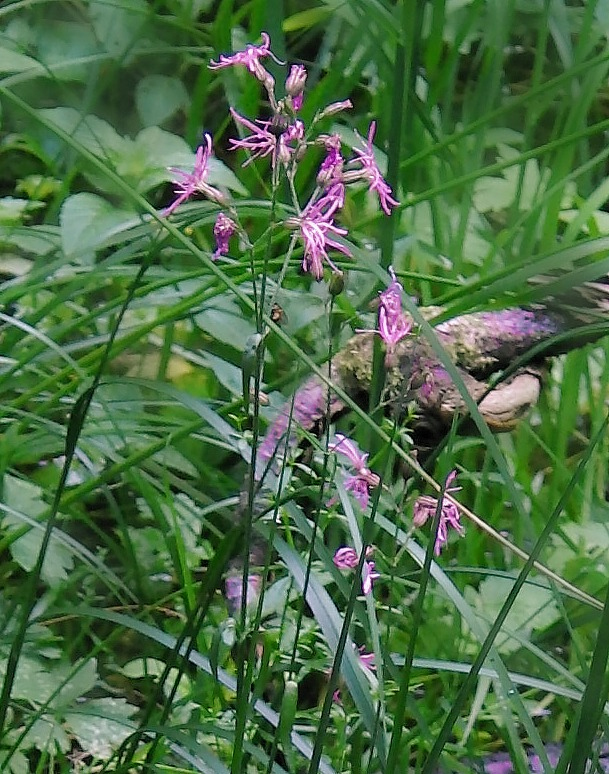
(426, 507)
(346, 558)
(282, 138)
(363, 479)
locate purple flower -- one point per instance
(294, 133)
(310, 403)
(345, 446)
(394, 325)
(331, 167)
(333, 108)
(317, 226)
(294, 85)
(188, 183)
(370, 172)
(369, 575)
(367, 659)
(346, 558)
(425, 507)
(363, 480)
(233, 587)
(250, 58)
(260, 143)
(224, 228)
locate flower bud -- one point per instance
(334, 108)
(295, 83)
(337, 283)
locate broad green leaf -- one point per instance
(97, 135)
(22, 497)
(46, 734)
(222, 319)
(87, 221)
(14, 62)
(64, 42)
(31, 677)
(536, 608)
(119, 26)
(37, 240)
(101, 725)
(75, 682)
(146, 162)
(158, 97)
(16, 764)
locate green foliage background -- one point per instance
(123, 434)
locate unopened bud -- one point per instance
(334, 108)
(295, 83)
(337, 283)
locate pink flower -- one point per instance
(317, 226)
(294, 85)
(425, 507)
(224, 228)
(367, 659)
(369, 575)
(250, 58)
(331, 167)
(363, 480)
(370, 172)
(393, 323)
(233, 587)
(188, 183)
(345, 446)
(260, 143)
(333, 108)
(310, 405)
(294, 133)
(346, 558)
(264, 141)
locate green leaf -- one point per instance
(87, 221)
(158, 97)
(222, 319)
(31, 675)
(119, 25)
(23, 501)
(100, 725)
(75, 682)
(63, 41)
(46, 734)
(94, 133)
(536, 608)
(14, 62)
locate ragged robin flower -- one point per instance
(317, 227)
(250, 58)
(363, 479)
(224, 228)
(189, 183)
(370, 172)
(425, 507)
(295, 84)
(393, 323)
(346, 558)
